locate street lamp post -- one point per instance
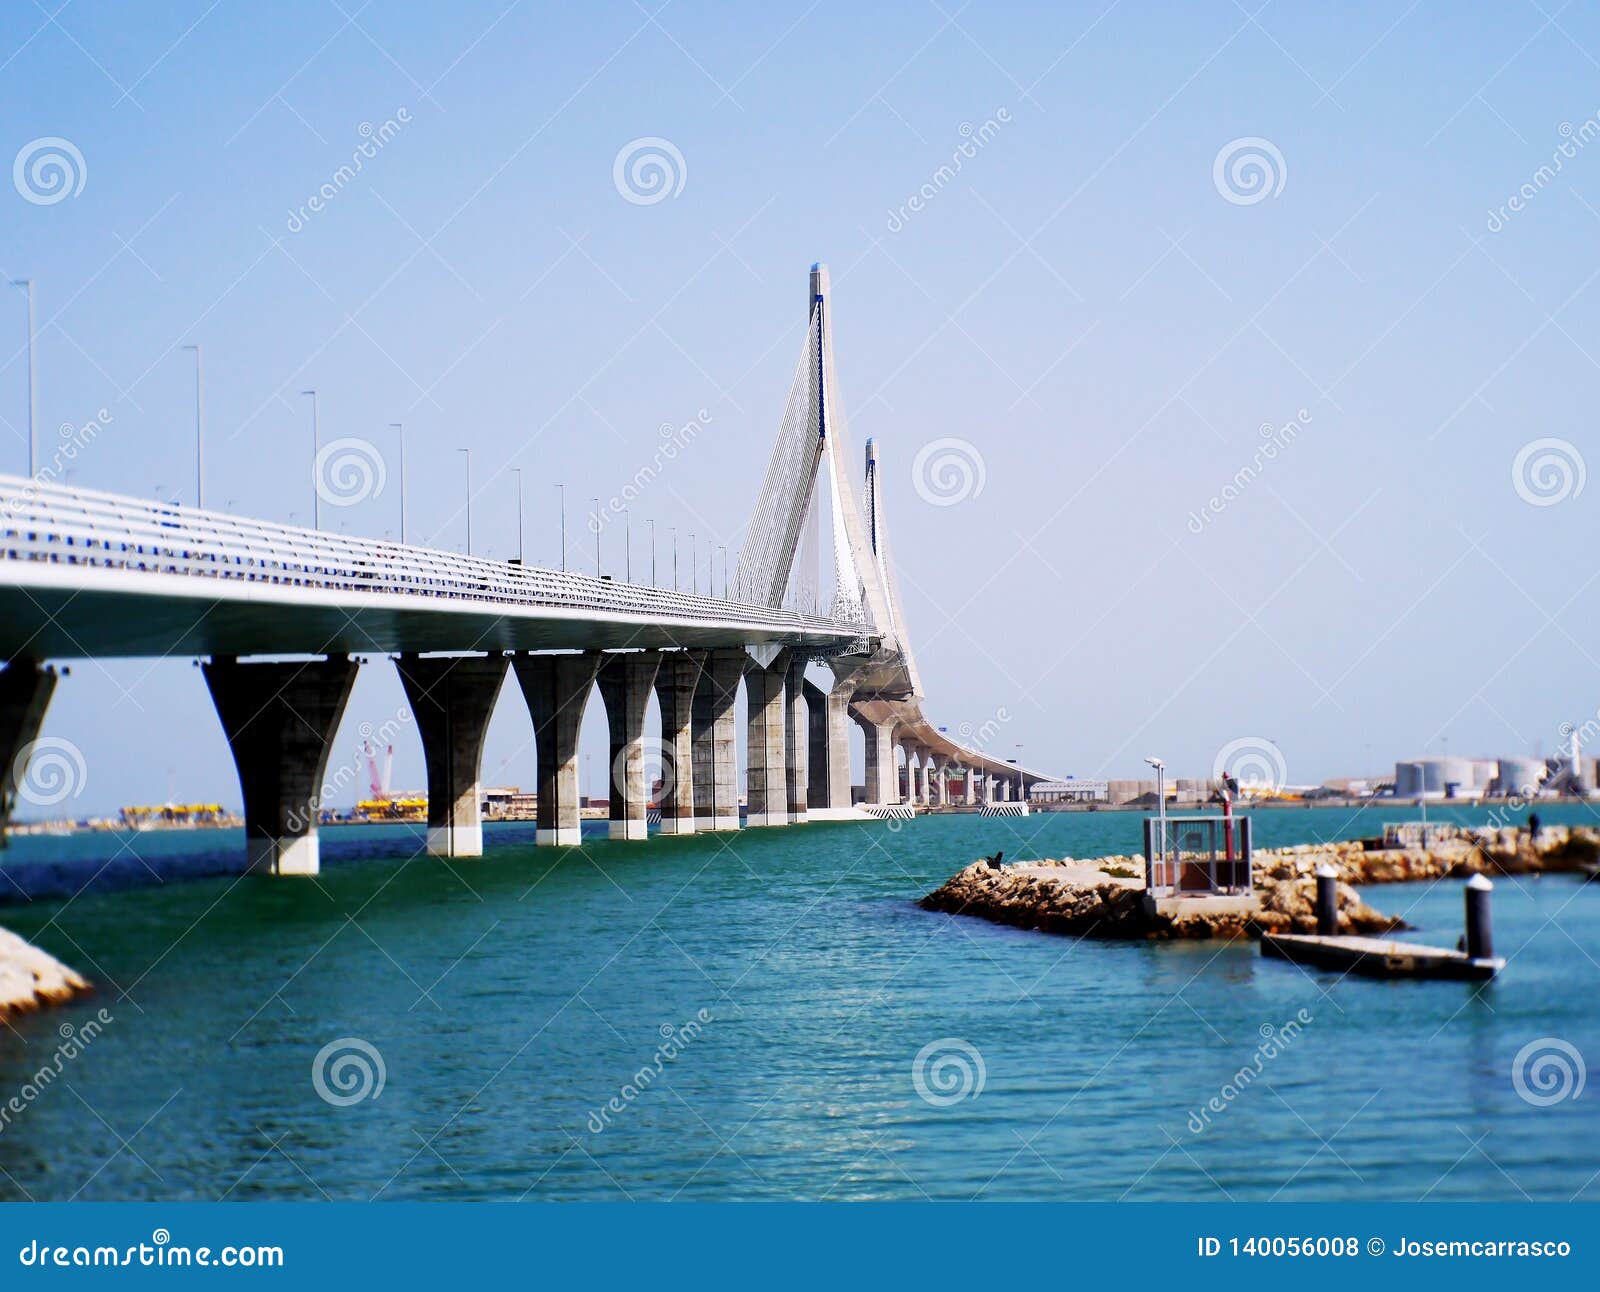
(652, 525)
(316, 440)
(396, 426)
(562, 489)
(694, 566)
(724, 552)
(596, 502)
(468, 453)
(518, 471)
(33, 388)
(199, 428)
(1161, 809)
(627, 545)
(674, 558)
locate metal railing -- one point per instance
(60, 525)
(1196, 855)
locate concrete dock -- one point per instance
(1378, 957)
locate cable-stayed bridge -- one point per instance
(90, 574)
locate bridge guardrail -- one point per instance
(54, 523)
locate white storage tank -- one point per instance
(1429, 776)
(1518, 776)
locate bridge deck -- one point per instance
(85, 573)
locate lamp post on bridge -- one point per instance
(316, 440)
(651, 522)
(199, 428)
(401, 430)
(518, 471)
(33, 386)
(596, 502)
(468, 453)
(724, 552)
(627, 545)
(563, 490)
(694, 566)
(674, 558)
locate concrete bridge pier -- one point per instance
(796, 730)
(25, 690)
(936, 786)
(970, 788)
(766, 777)
(924, 770)
(280, 719)
(676, 682)
(556, 688)
(625, 681)
(882, 775)
(451, 698)
(716, 771)
(828, 720)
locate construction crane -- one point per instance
(380, 784)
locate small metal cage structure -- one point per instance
(1197, 856)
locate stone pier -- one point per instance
(676, 682)
(625, 681)
(451, 699)
(766, 779)
(556, 688)
(716, 769)
(25, 690)
(280, 719)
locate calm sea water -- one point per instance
(511, 998)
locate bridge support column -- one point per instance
(451, 699)
(766, 778)
(936, 786)
(625, 681)
(796, 732)
(676, 682)
(25, 690)
(970, 788)
(923, 777)
(716, 772)
(556, 688)
(280, 720)
(882, 774)
(828, 716)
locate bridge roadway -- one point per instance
(86, 573)
(92, 574)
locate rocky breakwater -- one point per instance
(1105, 897)
(31, 979)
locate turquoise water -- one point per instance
(511, 998)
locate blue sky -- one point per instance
(1085, 303)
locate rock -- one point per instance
(31, 978)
